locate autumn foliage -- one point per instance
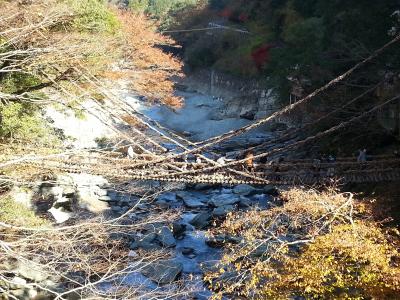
(153, 68)
(316, 245)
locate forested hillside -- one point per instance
(291, 41)
(296, 47)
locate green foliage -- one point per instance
(15, 82)
(22, 121)
(93, 16)
(139, 5)
(17, 214)
(159, 9)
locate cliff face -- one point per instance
(241, 98)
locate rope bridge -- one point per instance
(155, 164)
(306, 171)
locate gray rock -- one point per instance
(270, 189)
(115, 196)
(244, 202)
(193, 203)
(148, 238)
(163, 271)
(60, 215)
(224, 199)
(178, 229)
(229, 277)
(24, 293)
(147, 242)
(166, 237)
(259, 251)
(163, 204)
(201, 220)
(187, 250)
(167, 197)
(220, 240)
(31, 272)
(69, 191)
(223, 210)
(244, 189)
(105, 198)
(210, 266)
(101, 192)
(202, 186)
(153, 227)
(116, 209)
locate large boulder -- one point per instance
(166, 237)
(167, 197)
(60, 214)
(163, 271)
(223, 210)
(224, 199)
(220, 240)
(31, 272)
(201, 220)
(147, 242)
(178, 229)
(194, 203)
(191, 200)
(244, 190)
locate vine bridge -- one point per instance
(150, 161)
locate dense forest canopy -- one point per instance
(307, 42)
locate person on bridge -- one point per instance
(362, 156)
(249, 156)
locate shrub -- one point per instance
(93, 16)
(317, 245)
(23, 122)
(17, 214)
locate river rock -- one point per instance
(60, 215)
(203, 186)
(163, 271)
(201, 220)
(23, 293)
(244, 202)
(220, 240)
(244, 189)
(69, 191)
(146, 242)
(31, 272)
(105, 198)
(166, 237)
(224, 199)
(193, 203)
(189, 252)
(178, 229)
(270, 189)
(163, 204)
(223, 210)
(100, 192)
(167, 197)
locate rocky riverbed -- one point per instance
(192, 249)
